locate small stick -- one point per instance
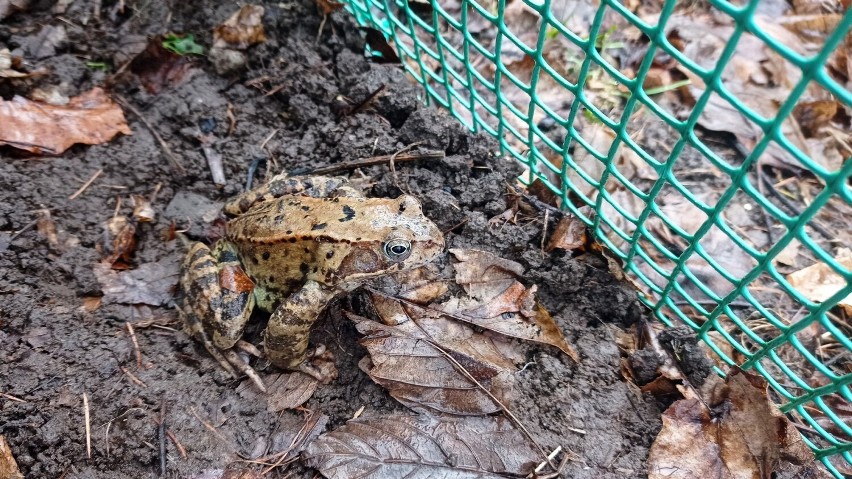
(165, 146)
(358, 107)
(133, 378)
(209, 426)
(177, 443)
(136, 350)
(544, 230)
(86, 185)
(379, 160)
(88, 425)
(161, 435)
(11, 398)
(232, 119)
(392, 166)
(22, 230)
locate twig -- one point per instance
(379, 160)
(544, 230)
(86, 185)
(88, 425)
(494, 398)
(177, 443)
(165, 146)
(136, 350)
(792, 208)
(133, 378)
(11, 398)
(209, 426)
(161, 435)
(392, 166)
(22, 230)
(358, 107)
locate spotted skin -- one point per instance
(292, 246)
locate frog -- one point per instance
(290, 247)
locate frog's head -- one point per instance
(397, 237)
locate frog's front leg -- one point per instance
(217, 304)
(286, 336)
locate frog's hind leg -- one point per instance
(217, 304)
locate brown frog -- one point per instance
(291, 247)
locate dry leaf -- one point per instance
(744, 437)
(421, 446)
(415, 360)
(570, 234)
(787, 256)
(8, 466)
(8, 7)
(819, 281)
(421, 285)
(327, 7)
(514, 312)
(10, 66)
(243, 29)
(91, 118)
(283, 391)
(158, 68)
(482, 274)
(150, 283)
(119, 242)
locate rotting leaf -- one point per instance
(415, 360)
(422, 446)
(515, 313)
(570, 234)
(119, 242)
(157, 67)
(91, 118)
(8, 466)
(283, 391)
(10, 66)
(744, 436)
(484, 275)
(243, 29)
(819, 281)
(150, 283)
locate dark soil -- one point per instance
(53, 350)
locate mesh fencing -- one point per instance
(617, 110)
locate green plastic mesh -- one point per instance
(500, 77)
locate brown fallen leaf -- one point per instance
(283, 391)
(158, 68)
(243, 29)
(118, 243)
(8, 466)
(417, 359)
(482, 274)
(819, 281)
(422, 446)
(10, 65)
(91, 118)
(150, 283)
(744, 436)
(327, 7)
(570, 234)
(515, 313)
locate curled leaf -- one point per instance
(243, 29)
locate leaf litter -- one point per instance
(91, 118)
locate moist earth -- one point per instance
(57, 346)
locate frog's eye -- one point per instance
(397, 249)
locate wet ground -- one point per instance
(58, 345)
